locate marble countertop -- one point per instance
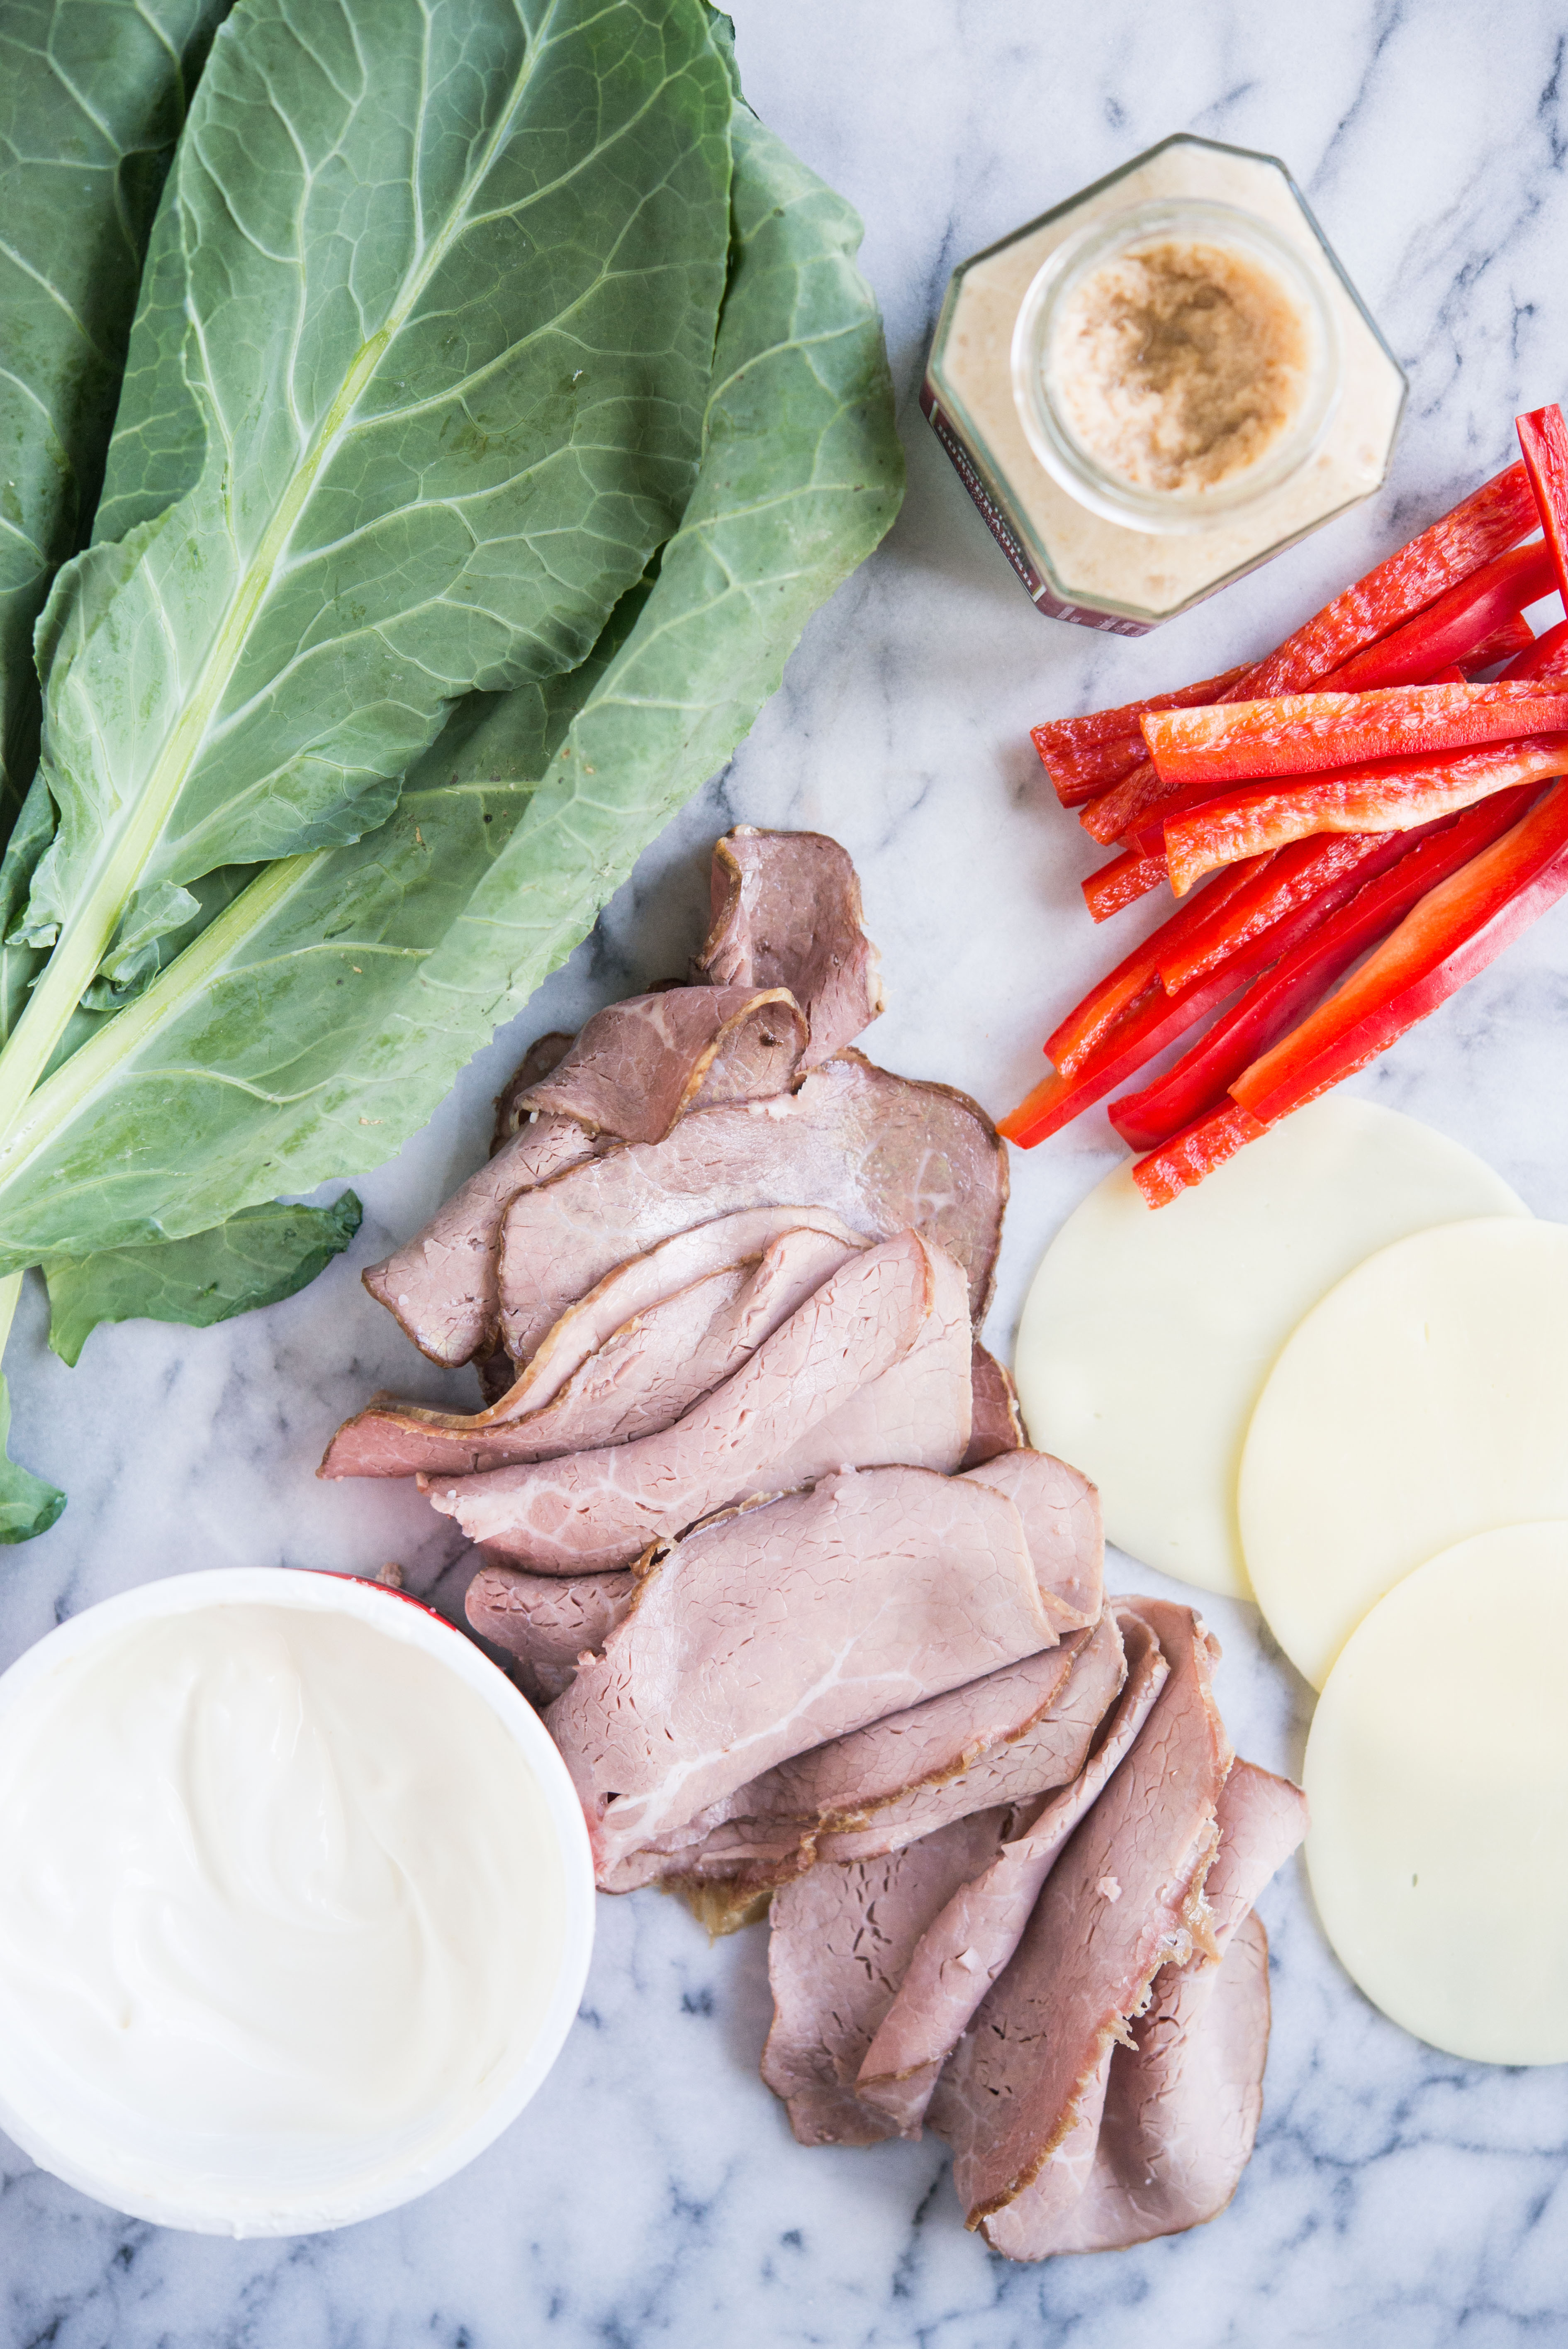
(1397, 2199)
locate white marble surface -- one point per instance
(652, 2194)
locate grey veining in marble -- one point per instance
(1397, 2199)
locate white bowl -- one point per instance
(113, 2172)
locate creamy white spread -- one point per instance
(279, 1900)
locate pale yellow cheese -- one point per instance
(1437, 1770)
(1423, 1400)
(1148, 1333)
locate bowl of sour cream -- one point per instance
(295, 1901)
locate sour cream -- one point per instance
(283, 1909)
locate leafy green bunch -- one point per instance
(428, 425)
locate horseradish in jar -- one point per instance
(1160, 384)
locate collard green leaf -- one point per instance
(28, 1506)
(431, 306)
(321, 1017)
(257, 1257)
(92, 96)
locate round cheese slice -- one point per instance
(1148, 1333)
(1437, 1770)
(1423, 1400)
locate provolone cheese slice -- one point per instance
(1437, 1770)
(1423, 1400)
(1148, 1333)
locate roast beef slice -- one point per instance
(1124, 1900)
(995, 1423)
(547, 1622)
(840, 1941)
(779, 1628)
(787, 912)
(872, 1369)
(513, 1106)
(629, 1075)
(966, 1949)
(1060, 1509)
(638, 1377)
(1048, 1753)
(881, 1152)
(1182, 2101)
(639, 1064)
(874, 1785)
(442, 1284)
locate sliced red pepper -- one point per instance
(1393, 796)
(1391, 881)
(1142, 1030)
(1543, 442)
(1457, 626)
(1327, 871)
(1123, 880)
(1454, 932)
(1147, 1020)
(1494, 517)
(1301, 733)
(1083, 755)
(1483, 526)
(1181, 1163)
(1543, 660)
(1075, 1039)
(1504, 644)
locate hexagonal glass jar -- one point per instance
(1089, 545)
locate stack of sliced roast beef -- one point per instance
(816, 1631)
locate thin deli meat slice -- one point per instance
(639, 1065)
(881, 1152)
(642, 1374)
(966, 1949)
(548, 1622)
(871, 1369)
(778, 1627)
(887, 1785)
(1061, 1513)
(1048, 1753)
(628, 1077)
(442, 1285)
(838, 1946)
(1182, 2100)
(787, 912)
(996, 1423)
(1027, 2080)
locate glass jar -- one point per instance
(1160, 384)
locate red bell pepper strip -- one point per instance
(1181, 1163)
(1457, 626)
(1494, 517)
(1077, 1039)
(1083, 755)
(1394, 796)
(1301, 733)
(1151, 1023)
(1454, 932)
(1543, 443)
(1544, 661)
(1123, 880)
(1147, 1022)
(1389, 884)
(1483, 526)
(1326, 870)
(1504, 644)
